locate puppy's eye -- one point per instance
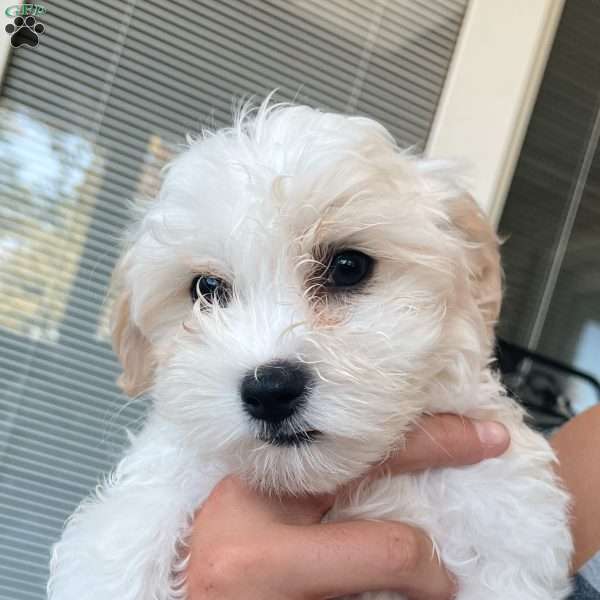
(211, 289)
(348, 268)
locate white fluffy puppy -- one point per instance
(300, 292)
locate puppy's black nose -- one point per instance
(275, 391)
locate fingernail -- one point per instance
(491, 433)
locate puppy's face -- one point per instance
(300, 293)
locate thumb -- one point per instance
(446, 440)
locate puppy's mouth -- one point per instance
(289, 438)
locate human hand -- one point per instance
(251, 547)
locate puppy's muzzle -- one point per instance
(275, 391)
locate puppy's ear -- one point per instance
(129, 343)
(483, 257)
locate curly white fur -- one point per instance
(254, 204)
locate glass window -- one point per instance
(87, 118)
(551, 220)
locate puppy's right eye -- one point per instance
(211, 289)
(348, 268)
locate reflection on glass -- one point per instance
(46, 197)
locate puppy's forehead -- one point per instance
(298, 176)
(280, 175)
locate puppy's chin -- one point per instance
(306, 463)
(292, 438)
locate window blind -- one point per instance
(87, 118)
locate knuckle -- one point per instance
(226, 488)
(227, 485)
(451, 429)
(402, 553)
(455, 441)
(217, 572)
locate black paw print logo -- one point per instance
(24, 32)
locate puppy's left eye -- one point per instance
(348, 268)
(211, 289)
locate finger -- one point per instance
(339, 559)
(446, 440)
